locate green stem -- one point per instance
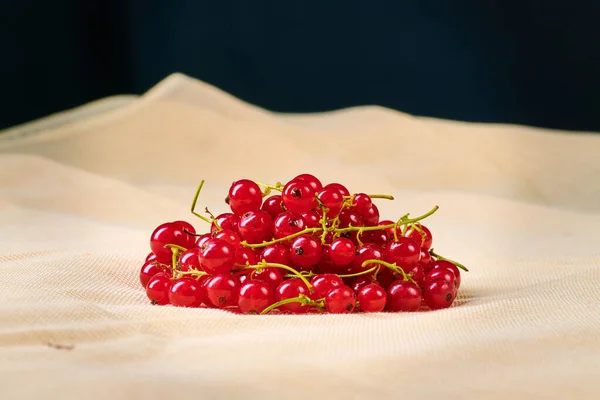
(439, 257)
(193, 272)
(393, 267)
(284, 239)
(175, 253)
(263, 264)
(368, 271)
(302, 299)
(278, 186)
(195, 200)
(381, 196)
(174, 246)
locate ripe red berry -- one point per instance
(201, 240)
(364, 253)
(305, 251)
(190, 260)
(217, 257)
(324, 283)
(340, 300)
(244, 195)
(440, 274)
(312, 219)
(298, 196)
(312, 180)
(405, 253)
(289, 289)
(272, 206)
(227, 221)
(360, 281)
(272, 276)
(186, 226)
(424, 240)
(222, 290)
(245, 256)
(417, 274)
(439, 294)
(255, 296)
(362, 203)
(287, 223)
(426, 260)
(341, 188)
(149, 269)
(255, 227)
(169, 233)
(150, 257)
(443, 264)
(276, 254)
(378, 237)
(342, 252)
(229, 236)
(371, 216)
(186, 292)
(403, 296)
(350, 217)
(332, 199)
(389, 231)
(371, 297)
(158, 288)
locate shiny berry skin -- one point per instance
(169, 233)
(272, 206)
(341, 188)
(371, 297)
(245, 256)
(186, 292)
(305, 251)
(298, 197)
(426, 260)
(342, 252)
(272, 276)
(362, 203)
(389, 231)
(417, 274)
(312, 180)
(378, 237)
(312, 219)
(289, 289)
(186, 226)
(403, 296)
(158, 288)
(386, 276)
(425, 240)
(332, 199)
(255, 296)
(364, 253)
(324, 283)
(201, 240)
(227, 221)
(244, 195)
(371, 216)
(255, 227)
(340, 300)
(443, 264)
(440, 274)
(405, 253)
(287, 223)
(229, 236)
(350, 217)
(439, 294)
(150, 257)
(361, 281)
(326, 266)
(217, 257)
(190, 260)
(149, 269)
(276, 254)
(222, 290)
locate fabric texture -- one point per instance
(78, 201)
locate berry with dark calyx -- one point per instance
(227, 221)
(364, 253)
(255, 296)
(350, 217)
(362, 203)
(201, 240)
(312, 219)
(255, 227)
(424, 240)
(305, 251)
(276, 254)
(371, 216)
(272, 276)
(324, 283)
(190, 260)
(405, 253)
(287, 223)
(245, 256)
(244, 195)
(186, 292)
(341, 188)
(371, 297)
(332, 199)
(158, 288)
(443, 264)
(222, 290)
(217, 257)
(272, 205)
(386, 276)
(149, 269)
(440, 274)
(289, 289)
(378, 237)
(342, 252)
(312, 180)
(340, 300)
(229, 236)
(169, 233)
(298, 196)
(403, 296)
(439, 294)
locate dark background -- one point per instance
(526, 62)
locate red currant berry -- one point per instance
(426, 260)
(440, 274)
(341, 188)
(305, 251)
(276, 254)
(190, 260)
(244, 195)
(325, 264)
(312, 180)
(417, 274)
(403, 296)
(217, 257)
(424, 240)
(371, 217)
(229, 236)
(312, 219)
(169, 233)
(298, 197)
(150, 257)
(405, 253)
(287, 223)
(439, 294)
(386, 276)
(362, 203)
(227, 221)
(342, 252)
(378, 237)
(443, 264)
(272, 206)
(389, 231)
(324, 283)
(149, 269)
(272, 276)
(245, 256)
(332, 199)
(255, 227)
(360, 281)
(158, 288)
(222, 290)
(289, 289)
(255, 296)
(350, 217)
(364, 253)
(186, 292)
(340, 300)
(372, 298)
(186, 226)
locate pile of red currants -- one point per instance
(299, 247)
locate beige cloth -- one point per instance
(81, 192)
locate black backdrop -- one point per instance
(527, 62)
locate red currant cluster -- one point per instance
(306, 248)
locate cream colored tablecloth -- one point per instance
(81, 192)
